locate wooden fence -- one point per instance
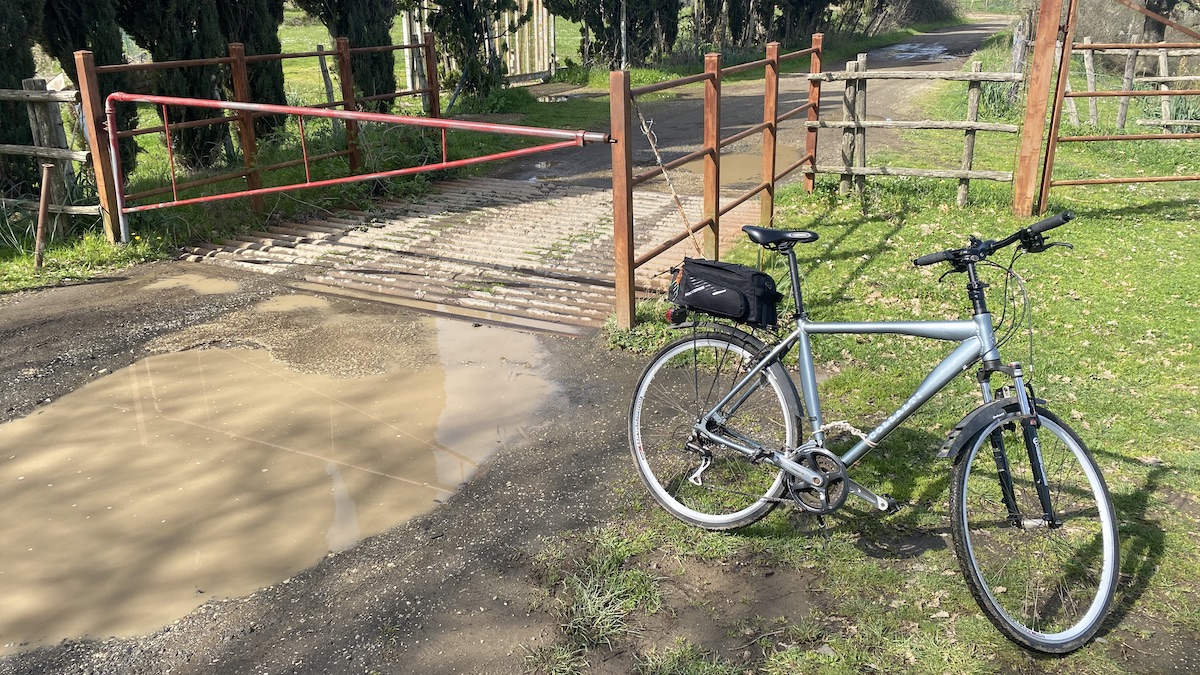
(237, 62)
(50, 146)
(854, 126)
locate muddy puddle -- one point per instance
(745, 169)
(213, 472)
(909, 51)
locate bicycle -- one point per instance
(715, 434)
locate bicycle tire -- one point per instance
(1048, 589)
(683, 381)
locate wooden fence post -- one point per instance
(246, 133)
(712, 160)
(346, 75)
(95, 126)
(1164, 70)
(814, 110)
(621, 128)
(1127, 82)
(860, 116)
(1020, 42)
(973, 93)
(336, 123)
(45, 121)
(431, 76)
(766, 204)
(1089, 69)
(1069, 104)
(1029, 154)
(849, 96)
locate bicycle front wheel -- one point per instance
(1045, 586)
(699, 481)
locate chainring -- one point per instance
(832, 494)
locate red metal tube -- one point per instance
(358, 179)
(580, 137)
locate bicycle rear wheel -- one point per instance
(1045, 587)
(698, 481)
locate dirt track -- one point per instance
(447, 592)
(677, 121)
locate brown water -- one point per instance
(213, 472)
(746, 169)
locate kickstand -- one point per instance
(802, 520)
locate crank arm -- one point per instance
(798, 470)
(880, 503)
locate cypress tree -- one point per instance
(652, 26)
(174, 30)
(70, 25)
(255, 23)
(366, 23)
(17, 174)
(464, 30)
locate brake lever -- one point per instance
(1067, 245)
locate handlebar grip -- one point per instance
(934, 258)
(1051, 222)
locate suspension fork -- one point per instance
(1030, 423)
(996, 439)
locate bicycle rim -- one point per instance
(684, 381)
(1046, 588)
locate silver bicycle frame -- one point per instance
(976, 338)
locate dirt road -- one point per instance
(449, 591)
(677, 121)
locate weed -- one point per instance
(684, 658)
(555, 659)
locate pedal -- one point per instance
(892, 505)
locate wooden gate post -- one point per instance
(431, 76)
(1029, 154)
(766, 208)
(621, 132)
(814, 110)
(346, 75)
(1064, 67)
(95, 127)
(712, 160)
(246, 134)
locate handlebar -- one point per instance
(1030, 238)
(1051, 222)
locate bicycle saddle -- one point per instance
(779, 239)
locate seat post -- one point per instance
(794, 271)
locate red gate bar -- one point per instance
(564, 138)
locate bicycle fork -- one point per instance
(1030, 423)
